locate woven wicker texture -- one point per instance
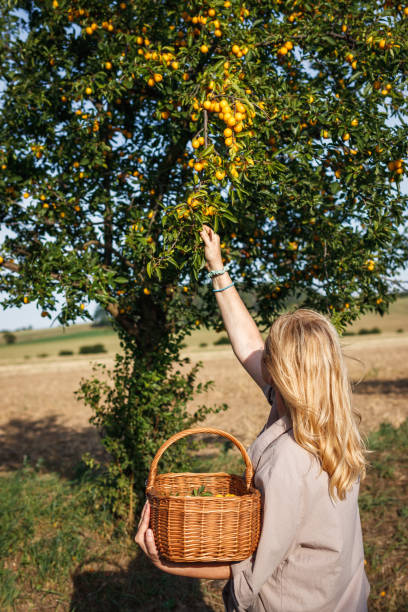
(188, 528)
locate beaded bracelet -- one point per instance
(224, 288)
(213, 273)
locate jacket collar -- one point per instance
(269, 435)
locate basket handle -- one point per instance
(187, 432)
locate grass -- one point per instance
(60, 549)
(384, 513)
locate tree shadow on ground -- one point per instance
(381, 387)
(57, 447)
(140, 586)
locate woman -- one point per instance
(308, 462)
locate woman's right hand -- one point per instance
(212, 249)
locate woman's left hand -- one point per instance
(145, 537)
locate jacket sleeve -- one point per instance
(281, 484)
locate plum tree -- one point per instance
(127, 125)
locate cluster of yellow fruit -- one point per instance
(285, 48)
(80, 12)
(382, 43)
(239, 51)
(396, 166)
(91, 29)
(166, 58)
(193, 202)
(156, 78)
(385, 88)
(243, 13)
(351, 60)
(226, 495)
(370, 263)
(197, 165)
(211, 12)
(294, 16)
(209, 211)
(37, 149)
(202, 20)
(233, 116)
(75, 13)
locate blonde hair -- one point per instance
(304, 358)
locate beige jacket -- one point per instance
(310, 554)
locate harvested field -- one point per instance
(41, 418)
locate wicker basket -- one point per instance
(188, 528)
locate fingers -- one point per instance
(145, 538)
(143, 526)
(151, 546)
(146, 508)
(206, 234)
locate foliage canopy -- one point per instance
(104, 192)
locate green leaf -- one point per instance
(335, 187)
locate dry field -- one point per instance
(41, 418)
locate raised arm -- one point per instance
(246, 340)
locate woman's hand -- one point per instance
(145, 537)
(212, 249)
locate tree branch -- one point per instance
(10, 266)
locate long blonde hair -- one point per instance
(304, 359)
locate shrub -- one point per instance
(222, 340)
(400, 330)
(9, 338)
(42, 355)
(203, 344)
(374, 330)
(92, 348)
(127, 411)
(65, 352)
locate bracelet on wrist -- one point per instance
(223, 288)
(213, 273)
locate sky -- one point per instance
(28, 315)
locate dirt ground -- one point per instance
(41, 418)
